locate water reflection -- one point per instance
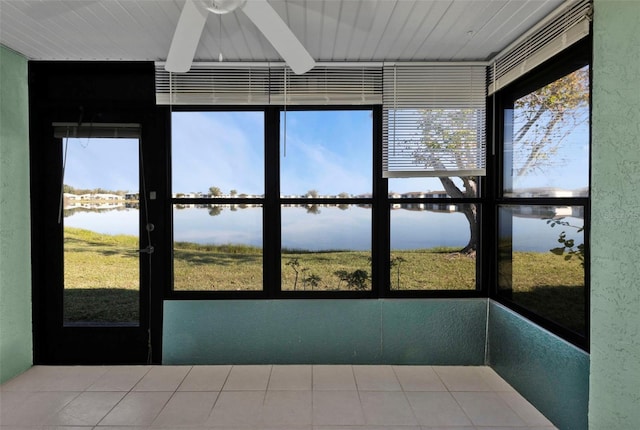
(326, 226)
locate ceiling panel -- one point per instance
(331, 30)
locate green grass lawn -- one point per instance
(102, 275)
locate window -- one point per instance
(326, 183)
(218, 199)
(434, 239)
(282, 202)
(543, 208)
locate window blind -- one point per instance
(95, 130)
(569, 24)
(434, 120)
(211, 84)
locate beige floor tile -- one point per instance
(250, 378)
(56, 378)
(88, 409)
(514, 428)
(525, 410)
(487, 409)
(333, 377)
(36, 409)
(281, 397)
(205, 378)
(162, 378)
(287, 408)
(368, 427)
(437, 409)
(119, 378)
(337, 408)
(186, 409)
(376, 378)
(290, 377)
(494, 380)
(237, 409)
(462, 378)
(137, 409)
(123, 428)
(9, 400)
(418, 378)
(451, 428)
(386, 408)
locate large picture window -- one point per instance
(293, 202)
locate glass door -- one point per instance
(93, 277)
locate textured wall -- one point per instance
(438, 331)
(615, 233)
(549, 372)
(15, 259)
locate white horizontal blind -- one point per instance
(209, 85)
(354, 85)
(95, 130)
(570, 25)
(434, 120)
(265, 85)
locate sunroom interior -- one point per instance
(446, 183)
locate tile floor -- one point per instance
(305, 397)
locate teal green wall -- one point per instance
(549, 372)
(615, 233)
(15, 258)
(420, 331)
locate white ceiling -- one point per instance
(331, 30)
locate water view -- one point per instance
(326, 227)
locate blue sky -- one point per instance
(102, 163)
(327, 151)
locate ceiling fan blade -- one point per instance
(279, 35)
(186, 38)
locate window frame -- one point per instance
(272, 202)
(568, 61)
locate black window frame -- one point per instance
(272, 202)
(566, 62)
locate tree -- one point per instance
(215, 191)
(233, 193)
(312, 194)
(542, 121)
(215, 210)
(313, 209)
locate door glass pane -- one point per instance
(101, 231)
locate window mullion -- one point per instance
(380, 220)
(271, 260)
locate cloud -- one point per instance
(222, 149)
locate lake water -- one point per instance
(329, 227)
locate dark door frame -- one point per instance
(97, 93)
